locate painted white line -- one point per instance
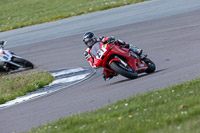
(67, 71)
(69, 79)
(22, 99)
(50, 88)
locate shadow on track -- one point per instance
(143, 75)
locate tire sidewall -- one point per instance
(23, 62)
(150, 64)
(115, 66)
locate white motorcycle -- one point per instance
(9, 61)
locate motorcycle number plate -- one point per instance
(100, 53)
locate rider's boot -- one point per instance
(106, 78)
(136, 50)
(108, 75)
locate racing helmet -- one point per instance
(89, 39)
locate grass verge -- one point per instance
(12, 86)
(19, 13)
(173, 109)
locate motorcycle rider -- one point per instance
(93, 44)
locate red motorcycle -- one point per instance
(118, 60)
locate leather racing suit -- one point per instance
(90, 53)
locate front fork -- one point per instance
(118, 60)
(109, 73)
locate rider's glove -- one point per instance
(111, 39)
(108, 40)
(120, 42)
(101, 37)
(87, 55)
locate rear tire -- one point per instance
(23, 62)
(124, 71)
(150, 64)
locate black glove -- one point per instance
(111, 40)
(101, 37)
(87, 55)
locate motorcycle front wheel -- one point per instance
(124, 71)
(23, 62)
(150, 64)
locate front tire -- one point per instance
(124, 71)
(23, 62)
(150, 64)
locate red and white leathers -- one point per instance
(90, 55)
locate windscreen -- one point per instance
(95, 48)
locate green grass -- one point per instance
(20, 13)
(12, 86)
(175, 109)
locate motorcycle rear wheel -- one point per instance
(124, 71)
(23, 62)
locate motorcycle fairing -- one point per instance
(126, 56)
(6, 57)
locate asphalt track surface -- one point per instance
(172, 42)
